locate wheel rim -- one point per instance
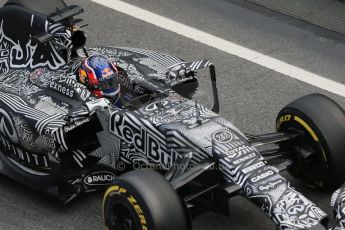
(312, 169)
(121, 218)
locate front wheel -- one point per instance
(319, 158)
(144, 200)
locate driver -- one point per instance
(100, 76)
(103, 78)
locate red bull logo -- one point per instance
(107, 73)
(106, 70)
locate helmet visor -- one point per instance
(106, 84)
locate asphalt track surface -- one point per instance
(250, 95)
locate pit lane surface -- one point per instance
(250, 95)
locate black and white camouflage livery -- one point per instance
(55, 136)
(338, 204)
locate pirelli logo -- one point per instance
(253, 167)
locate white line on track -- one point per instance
(226, 46)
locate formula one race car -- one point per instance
(56, 137)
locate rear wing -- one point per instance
(65, 17)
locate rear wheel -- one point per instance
(144, 200)
(319, 158)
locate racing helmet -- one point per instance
(100, 76)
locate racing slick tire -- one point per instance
(144, 199)
(319, 159)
